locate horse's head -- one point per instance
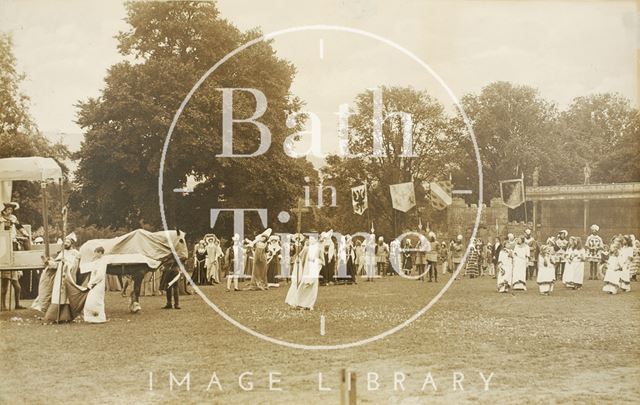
(180, 244)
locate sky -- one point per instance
(563, 48)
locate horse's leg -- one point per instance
(135, 291)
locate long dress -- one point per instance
(213, 263)
(259, 275)
(626, 261)
(521, 255)
(273, 265)
(472, 264)
(612, 276)
(576, 265)
(303, 291)
(58, 303)
(505, 271)
(567, 276)
(546, 274)
(200, 258)
(94, 306)
(46, 283)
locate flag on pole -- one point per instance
(359, 199)
(440, 194)
(512, 192)
(403, 196)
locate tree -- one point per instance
(19, 135)
(602, 130)
(168, 47)
(431, 148)
(515, 130)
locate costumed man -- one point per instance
(532, 267)
(432, 257)
(232, 263)
(562, 244)
(594, 246)
(273, 260)
(329, 257)
(9, 222)
(351, 260)
(200, 262)
(51, 294)
(407, 257)
(382, 255)
(169, 283)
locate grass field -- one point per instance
(574, 346)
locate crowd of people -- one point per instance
(308, 261)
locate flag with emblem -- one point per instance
(403, 196)
(359, 199)
(512, 192)
(440, 194)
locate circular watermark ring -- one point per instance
(407, 53)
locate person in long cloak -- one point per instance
(94, 306)
(329, 259)
(521, 253)
(504, 272)
(52, 294)
(303, 291)
(214, 253)
(626, 261)
(351, 260)
(259, 275)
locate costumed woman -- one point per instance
(214, 253)
(521, 255)
(613, 269)
(233, 263)
(626, 261)
(273, 260)
(576, 263)
(259, 275)
(546, 269)
(567, 276)
(200, 263)
(52, 296)
(94, 306)
(303, 290)
(504, 268)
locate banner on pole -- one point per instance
(359, 199)
(403, 196)
(512, 192)
(440, 194)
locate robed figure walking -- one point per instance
(303, 291)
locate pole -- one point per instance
(352, 389)
(64, 232)
(45, 217)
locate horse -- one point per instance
(135, 254)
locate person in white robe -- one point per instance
(567, 275)
(303, 291)
(505, 269)
(521, 253)
(546, 270)
(577, 257)
(626, 261)
(613, 269)
(94, 306)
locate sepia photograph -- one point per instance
(319, 202)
